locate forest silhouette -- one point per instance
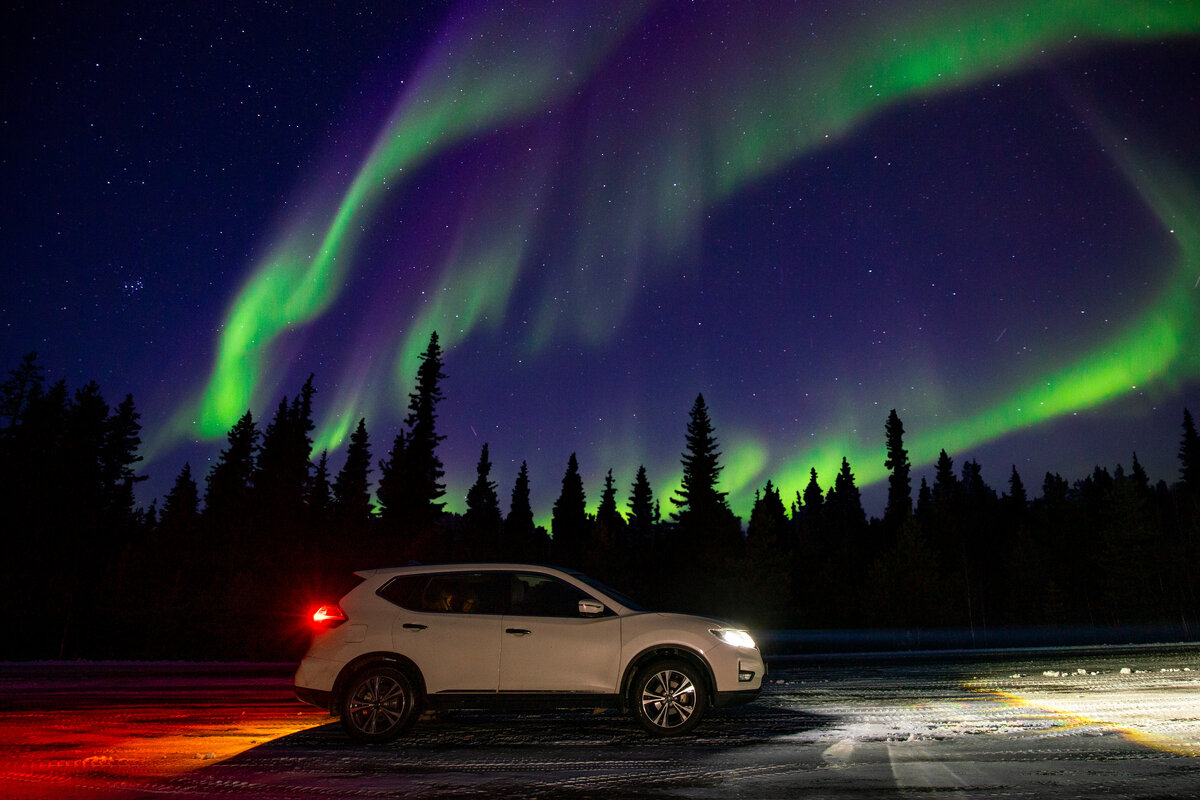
(230, 563)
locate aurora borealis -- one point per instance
(983, 218)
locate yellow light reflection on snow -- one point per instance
(1148, 708)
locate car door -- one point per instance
(548, 646)
(449, 626)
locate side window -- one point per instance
(534, 595)
(462, 593)
(404, 591)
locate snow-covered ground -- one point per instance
(1052, 723)
(1155, 702)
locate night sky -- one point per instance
(812, 213)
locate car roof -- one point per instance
(461, 567)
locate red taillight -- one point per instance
(328, 617)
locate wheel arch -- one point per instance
(657, 652)
(403, 663)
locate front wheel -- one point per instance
(378, 705)
(669, 698)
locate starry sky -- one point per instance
(985, 218)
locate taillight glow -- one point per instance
(328, 616)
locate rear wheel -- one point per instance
(669, 698)
(379, 704)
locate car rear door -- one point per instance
(449, 626)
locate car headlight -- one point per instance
(733, 636)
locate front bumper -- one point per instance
(738, 698)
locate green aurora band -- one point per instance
(858, 74)
(297, 281)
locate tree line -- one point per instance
(229, 564)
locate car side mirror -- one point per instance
(590, 608)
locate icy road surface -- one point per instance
(1116, 722)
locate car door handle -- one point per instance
(518, 631)
(413, 626)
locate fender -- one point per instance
(665, 651)
(403, 663)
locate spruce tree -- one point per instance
(813, 553)
(173, 570)
(284, 464)
(945, 485)
(122, 437)
(89, 544)
(568, 525)
(391, 490)
(30, 438)
(482, 519)
(320, 493)
(976, 534)
(20, 391)
(182, 505)
(843, 505)
(229, 483)
(1141, 480)
(642, 516)
(482, 501)
(302, 407)
(703, 523)
(924, 500)
(607, 550)
(606, 513)
(83, 450)
(35, 452)
(179, 533)
(768, 517)
(411, 486)
(1017, 489)
(899, 502)
(1189, 454)
(701, 461)
(840, 554)
(1017, 498)
(762, 578)
(518, 532)
(423, 438)
(351, 487)
(974, 488)
(814, 497)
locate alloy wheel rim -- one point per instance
(378, 704)
(669, 699)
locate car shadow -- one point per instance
(572, 755)
(723, 728)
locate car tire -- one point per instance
(379, 704)
(669, 698)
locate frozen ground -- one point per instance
(1115, 722)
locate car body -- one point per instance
(516, 636)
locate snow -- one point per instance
(1096, 722)
(1157, 705)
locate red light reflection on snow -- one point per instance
(105, 738)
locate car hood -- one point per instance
(700, 620)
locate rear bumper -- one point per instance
(315, 697)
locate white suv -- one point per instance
(515, 636)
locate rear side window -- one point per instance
(404, 591)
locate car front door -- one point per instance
(548, 646)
